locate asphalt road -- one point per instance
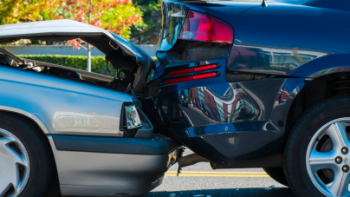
(200, 180)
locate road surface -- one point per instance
(200, 180)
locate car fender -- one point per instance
(62, 106)
(300, 77)
(37, 120)
(323, 66)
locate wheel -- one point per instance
(25, 160)
(277, 174)
(317, 155)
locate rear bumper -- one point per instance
(229, 145)
(224, 122)
(100, 167)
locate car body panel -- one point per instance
(174, 14)
(224, 122)
(110, 174)
(268, 40)
(62, 105)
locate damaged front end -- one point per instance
(102, 141)
(132, 63)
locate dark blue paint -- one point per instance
(293, 43)
(230, 127)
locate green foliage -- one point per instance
(119, 19)
(16, 11)
(148, 8)
(98, 63)
(155, 59)
(113, 15)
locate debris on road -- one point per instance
(271, 187)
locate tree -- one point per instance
(113, 15)
(151, 18)
(15, 11)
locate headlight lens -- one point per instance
(133, 120)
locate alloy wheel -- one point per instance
(14, 165)
(328, 158)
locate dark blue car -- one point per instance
(275, 77)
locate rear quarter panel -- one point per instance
(281, 37)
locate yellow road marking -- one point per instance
(217, 174)
(213, 172)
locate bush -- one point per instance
(98, 63)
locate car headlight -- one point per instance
(133, 120)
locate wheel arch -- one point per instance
(312, 83)
(26, 115)
(317, 90)
(53, 189)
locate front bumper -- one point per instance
(92, 166)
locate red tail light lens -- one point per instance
(191, 78)
(192, 70)
(202, 27)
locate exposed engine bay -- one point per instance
(125, 65)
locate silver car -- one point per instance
(76, 132)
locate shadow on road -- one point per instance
(243, 192)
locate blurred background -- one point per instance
(136, 20)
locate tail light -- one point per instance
(202, 27)
(194, 69)
(191, 78)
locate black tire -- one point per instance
(277, 174)
(299, 138)
(39, 152)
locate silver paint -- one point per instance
(106, 174)
(61, 106)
